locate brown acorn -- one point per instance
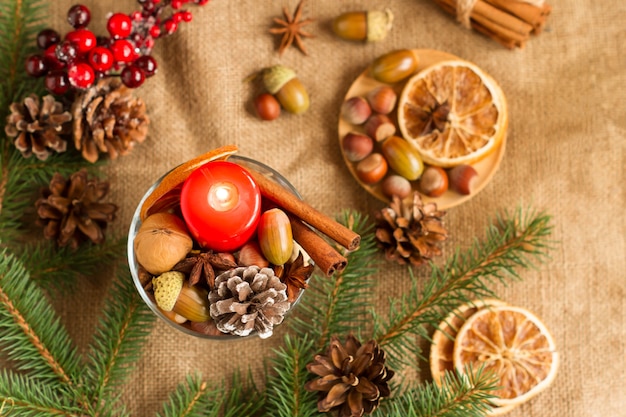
(275, 236)
(172, 293)
(370, 26)
(282, 82)
(394, 66)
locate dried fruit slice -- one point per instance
(512, 343)
(169, 188)
(453, 113)
(442, 347)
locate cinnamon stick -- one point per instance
(324, 255)
(536, 16)
(289, 202)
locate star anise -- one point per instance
(200, 267)
(291, 29)
(436, 117)
(295, 276)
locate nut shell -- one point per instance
(357, 146)
(372, 169)
(394, 66)
(293, 96)
(161, 242)
(275, 236)
(434, 181)
(382, 99)
(396, 185)
(403, 158)
(356, 110)
(462, 179)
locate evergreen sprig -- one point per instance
(341, 304)
(512, 242)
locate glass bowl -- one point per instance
(134, 266)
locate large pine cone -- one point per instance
(409, 231)
(352, 377)
(108, 119)
(72, 211)
(247, 299)
(36, 126)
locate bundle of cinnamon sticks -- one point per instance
(509, 22)
(307, 223)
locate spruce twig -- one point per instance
(511, 242)
(192, 398)
(122, 330)
(32, 334)
(340, 304)
(286, 395)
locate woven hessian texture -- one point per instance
(565, 155)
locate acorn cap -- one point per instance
(167, 288)
(274, 78)
(379, 23)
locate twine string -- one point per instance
(464, 9)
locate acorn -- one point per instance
(403, 158)
(394, 66)
(172, 293)
(282, 82)
(370, 26)
(275, 236)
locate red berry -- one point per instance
(83, 39)
(50, 56)
(149, 43)
(66, 51)
(177, 17)
(201, 2)
(170, 26)
(187, 16)
(119, 25)
(47, 37)
(100, 58)
(136, 16)
(36, 66)
(78, 16)
(155, 31)
(81, 75)
(147, 64)
(132, 76)
(177, 4)
(267, 107)
(56, 82)
(123, 51)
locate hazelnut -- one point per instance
(382, 99)
(379, 127)
(463, 179)
(372, 169)
(357, 146)
(250, 254)
(396, 185)
(266, 106)
(434, 181)
(356, 110)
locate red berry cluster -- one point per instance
(81, 57)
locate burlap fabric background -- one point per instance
(565, 155)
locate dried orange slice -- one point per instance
(170, 186)
(442, 347)
(515, 345)
(453, 113)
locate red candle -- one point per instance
(221, 205)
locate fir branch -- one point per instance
(338, 305)
(118, 341)
(460, 395)
(32, 334)
(57, 269)
(193, 398)
(286, 395)
(512, 241)
(241, 400)
(21, 395)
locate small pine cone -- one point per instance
(247, 299)
(71, 210)
(108, 119)
(37, 126)
(352, 379)
(409, 231)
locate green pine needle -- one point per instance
(192, 398)
(32, 334)
(26, 397)
(512, 242)
(340, 304)
(117, 344)
(286, 395)
(460, 395)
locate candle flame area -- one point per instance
(223, 196)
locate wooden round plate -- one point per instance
(364, 83)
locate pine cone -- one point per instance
(409, 231)
(36, 126)
(108, 119)
(247, 299)
(352, 377)
(71, 209)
